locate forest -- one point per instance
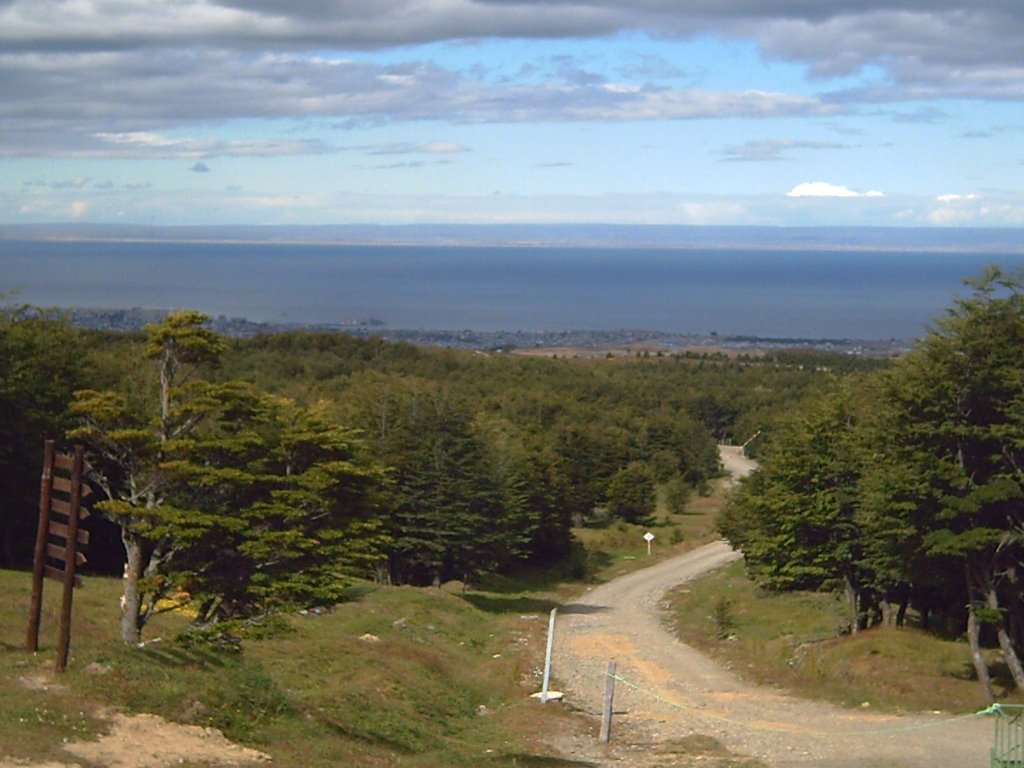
(240, 477)
(902, 489)
(243, 476)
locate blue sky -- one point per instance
(794, 112)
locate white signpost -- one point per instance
(648, 537)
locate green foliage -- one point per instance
(909, 489)
(40, 366)
(274, 507)
(236, 500)
(631, 494)
(794, 519)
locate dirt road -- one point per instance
(675, 692)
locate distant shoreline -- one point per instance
(554, 236)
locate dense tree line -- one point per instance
(244, 475)
(906, 489)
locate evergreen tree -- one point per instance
(224, 496)
(956, 429)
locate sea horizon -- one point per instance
(859, 289)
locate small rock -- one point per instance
(552, 695)
(401, 623)
(368, 638)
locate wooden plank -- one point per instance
(58, 575)
(64, 461)
(61, 507)
(62, 484)
(59, 529)
(59, 553)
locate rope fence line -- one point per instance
(994, 709)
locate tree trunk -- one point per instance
(974, 637)
(853, 604)
(980, 668)
(901, 614)
(131, 599)
(1005, 643)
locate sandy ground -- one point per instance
(148, 741)
(669, 691)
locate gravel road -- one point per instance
(680, 692)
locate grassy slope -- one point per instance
(445, 683)
(448, 679)
(792, 640)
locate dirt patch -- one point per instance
(144, 741)
(148, 741)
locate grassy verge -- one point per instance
(792, 640)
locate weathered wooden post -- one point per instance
(71, 557)
(609, 696)
(35, 610)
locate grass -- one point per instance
(411, 678)
(440, 682)
(444, 679)
(618, 548)
(793, 640)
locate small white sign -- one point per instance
(648, 537)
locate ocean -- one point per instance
(854, 294)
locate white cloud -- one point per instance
(444, 148)
(697, 213)
(824, 189)
(953, 198)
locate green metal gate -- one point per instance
(1008, 747)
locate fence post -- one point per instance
(547, 657)
(36, 607)
(71, 558)
(609, 695)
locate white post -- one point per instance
(547, 656)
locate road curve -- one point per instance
(674, 691)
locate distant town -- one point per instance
(553, 342)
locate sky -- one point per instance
(691, 112)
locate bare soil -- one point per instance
(670, 696)
(145, 741)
